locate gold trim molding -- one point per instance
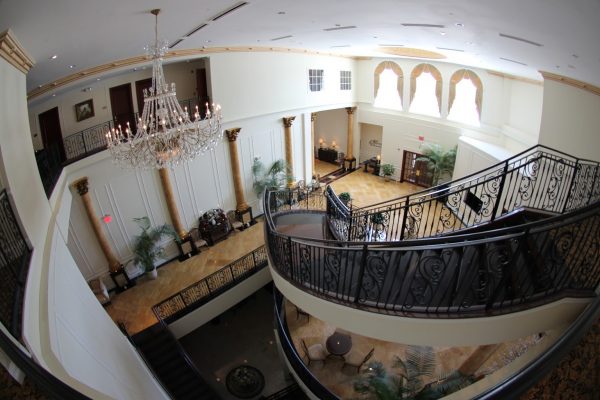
(126, 62)
(516, 78)
(13, 52)
(412, 52)
(571, 82)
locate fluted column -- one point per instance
(350, 141)
(232, 135)
(171, 205)
(287, 123)
(313, 118)
(81, 185)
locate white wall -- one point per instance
(571, 120)
(511, 111)
(332, 125)
(65, 328)
(370, 141)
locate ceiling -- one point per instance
(518, 37)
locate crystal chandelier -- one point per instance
(165, 134)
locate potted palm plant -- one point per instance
(145, 245)
(272, 178)
(387, 170)
(440, 162)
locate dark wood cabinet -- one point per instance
(213, 226)
(328, 155)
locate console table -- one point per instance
(328, 155)
(213, 226)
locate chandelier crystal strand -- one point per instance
(166, 134)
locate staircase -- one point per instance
(166, 358)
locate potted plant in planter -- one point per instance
(272, 178)
(145, 245)
(387, 170)
(345, 198)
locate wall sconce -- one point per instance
(333, 144)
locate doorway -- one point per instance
(415, 171)
(139, 92)
(52, 133)
(121, 104)
(202, 89)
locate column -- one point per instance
(232, 135)
(171, 205)
(349, 150)
(287, 123)
(313, 118)
(81, 185)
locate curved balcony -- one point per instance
(498, 261)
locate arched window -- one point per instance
(466, 95)
(389, 82)
(425, 90)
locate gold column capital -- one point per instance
(81, 185)
(288, 121)
(350, 110)
(232, 134)
(313, 117)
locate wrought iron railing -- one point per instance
(217, 283)
(539, 178)
(15, 254)
(291, 354)
(486, 273)
(87, 142)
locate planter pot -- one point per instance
(152, 274)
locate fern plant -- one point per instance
(145, 244)
(440, 162)
(376, 382)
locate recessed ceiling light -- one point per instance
(71, 66)
(459, 24)
(97, 79)
(443, 33)
(39, 86)
(53, 94)
(281, 13)
(53, 57)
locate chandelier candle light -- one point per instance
(165, 134)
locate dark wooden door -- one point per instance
(202, 89)
(51, 132)
(415, 171)
(139, 92)
(121, 104)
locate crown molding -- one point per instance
(13, 52)
(572, 82)
(515, 78)
(126, 62)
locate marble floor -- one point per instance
(323, 168)
(134, 307)
(340, 381)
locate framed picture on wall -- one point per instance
(84, 110)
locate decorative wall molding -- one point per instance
(13, 52)
(516, 78)
(126, 62)
(571, 82)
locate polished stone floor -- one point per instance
(340, 381)
(241, 336)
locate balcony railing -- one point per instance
(15, 254)
(539, 178)
(464, 274)
(206, 289)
